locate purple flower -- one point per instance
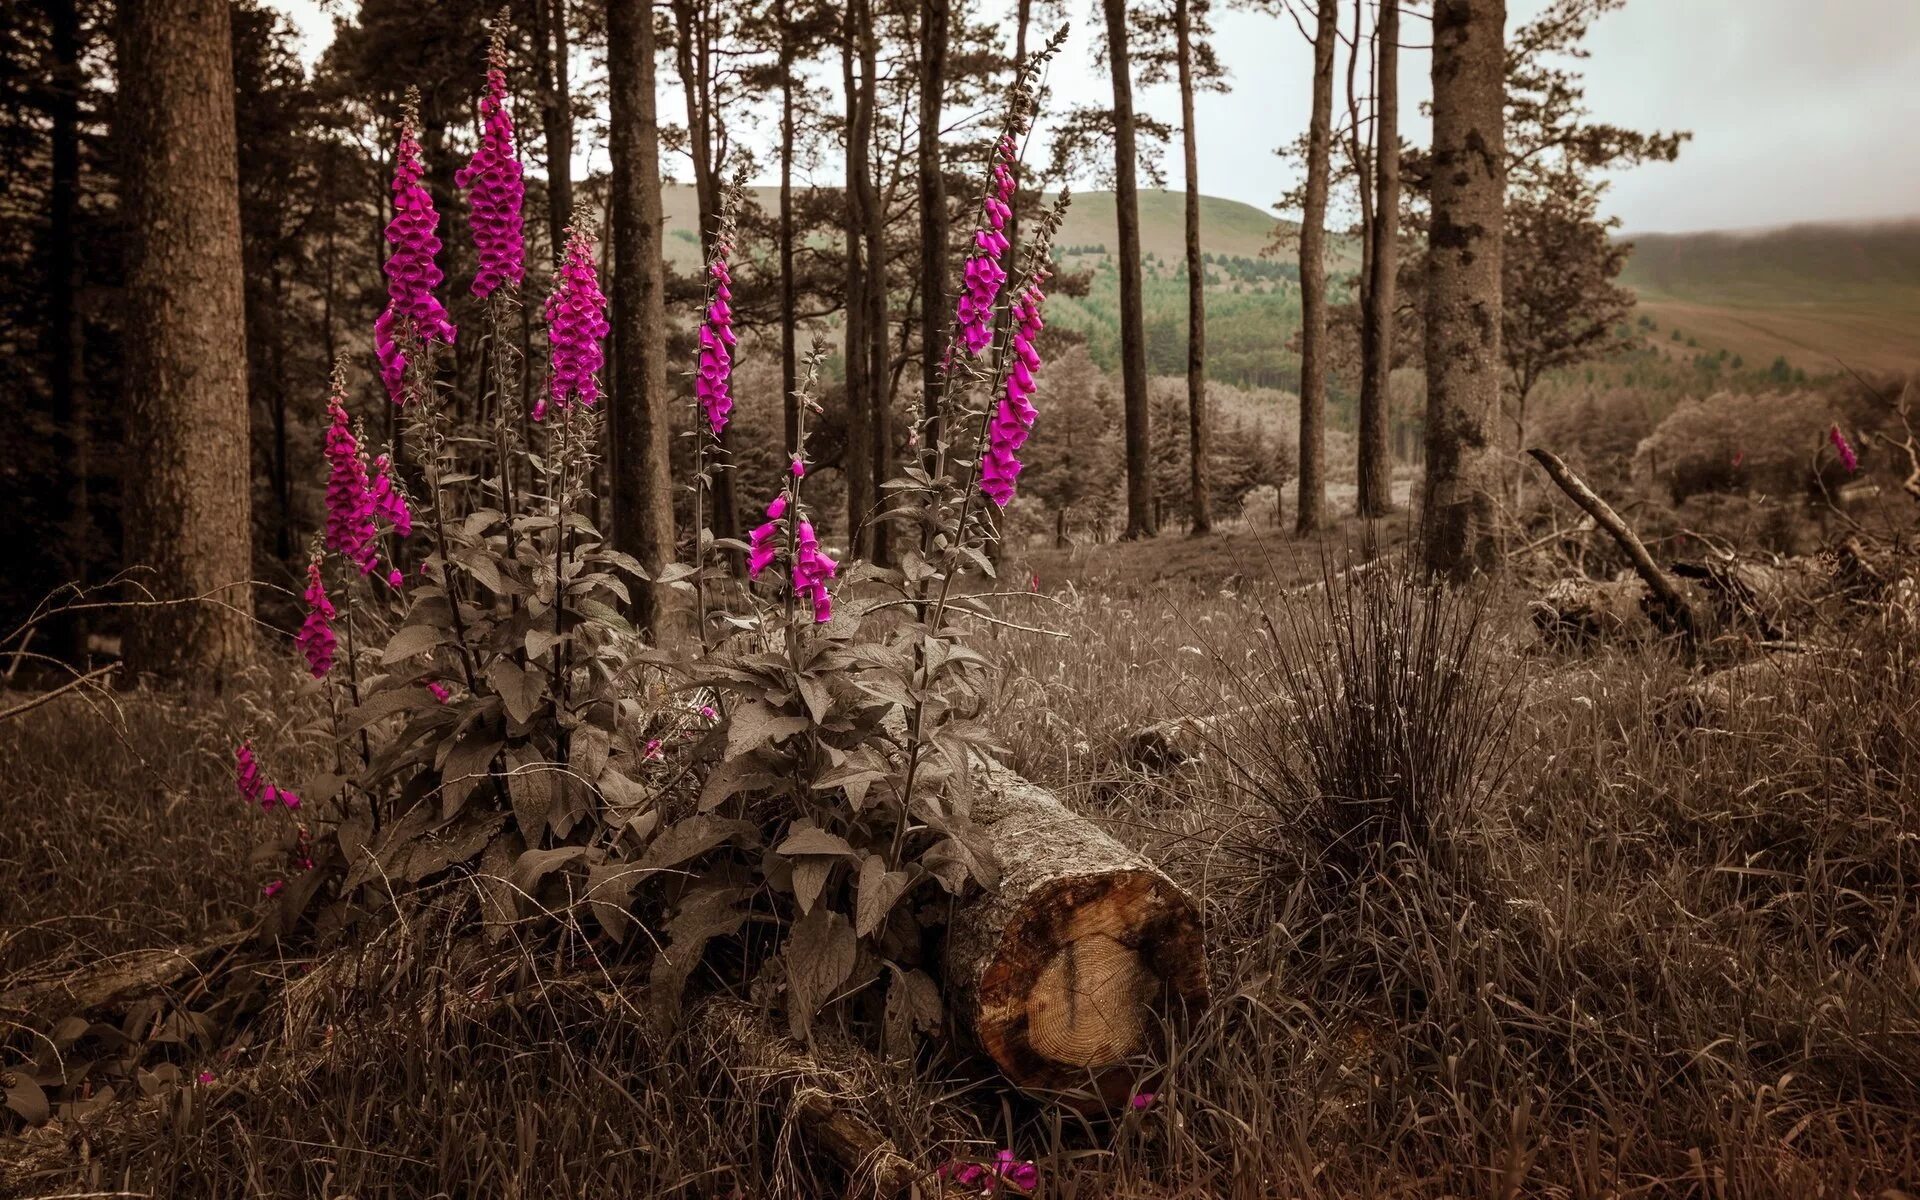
(983, 276)
(316, 638)
(204, 1077)
(576, 323)
(763, 542)
(811, 570)
(713, 386)
(273, 889)
(439, 690)
(413, 311)
(1140, 1101)
(389, 501)
(350, 505)
(494, 187)
(986, 1178)
(247, 774)
(1848, 458)
(1013, 420)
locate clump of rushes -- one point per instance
(413, 312)
(576, 322)
(493, 180)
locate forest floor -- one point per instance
(1646, 957)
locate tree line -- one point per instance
(200, 238)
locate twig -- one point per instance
(68, 686)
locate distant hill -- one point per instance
(1227, 227)
(1815, 294)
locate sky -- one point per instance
(1798, 112)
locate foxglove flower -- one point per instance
(576, 323)
(811, 570)
(439, 690)
(350, 503)
(1848, 458)
(983, 275)
(1013, 420)
(763, 542)
(713, 387)
(316, 638)
(413, 312)
(246, 772)
(494, 187)
(388, 500)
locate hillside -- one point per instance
(1228, 228)
(1816, 294)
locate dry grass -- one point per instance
(1636, 959)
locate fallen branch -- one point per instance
(116, 980)
(44, 697)
(1669, 608)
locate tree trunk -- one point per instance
(556, 115)
(67, 357)
(1376, 464)
(642, 411)
(1133, 338)
(188, 505)
(1463, 287)
(879, 375)
(1070, 966)
(933, 220)
(1199, 501)
(856, 461)
(789, 317)
(1312, 514)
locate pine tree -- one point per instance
(1313, 279)
(1133, 338)
(188, 512)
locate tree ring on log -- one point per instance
(1083, 974)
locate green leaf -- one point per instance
(704, 913)
(621, 792)
(809, 878)
(520, 688)
(819, 954)
(609, 893)
(411, 641)
(880, 889)
(913, 1005)
(25, 1098)
(731, 777)
(466, 836)
(530, 785)
(690, 838)
(540, 642)
(466, 766)
(587, 751)
(807, 839)
(386, 704)
(535, 865)
(756, 724)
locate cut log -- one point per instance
(1076, 962)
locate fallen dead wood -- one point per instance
(1178, 741)
(825, 1093)
(116, 980)
(1669, 607)
(1072, 965)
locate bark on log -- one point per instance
(115, 980)
(1581, 612)
(1072, 966)
(822, 1093)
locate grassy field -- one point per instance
(1818, 295)
(1604, 954)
